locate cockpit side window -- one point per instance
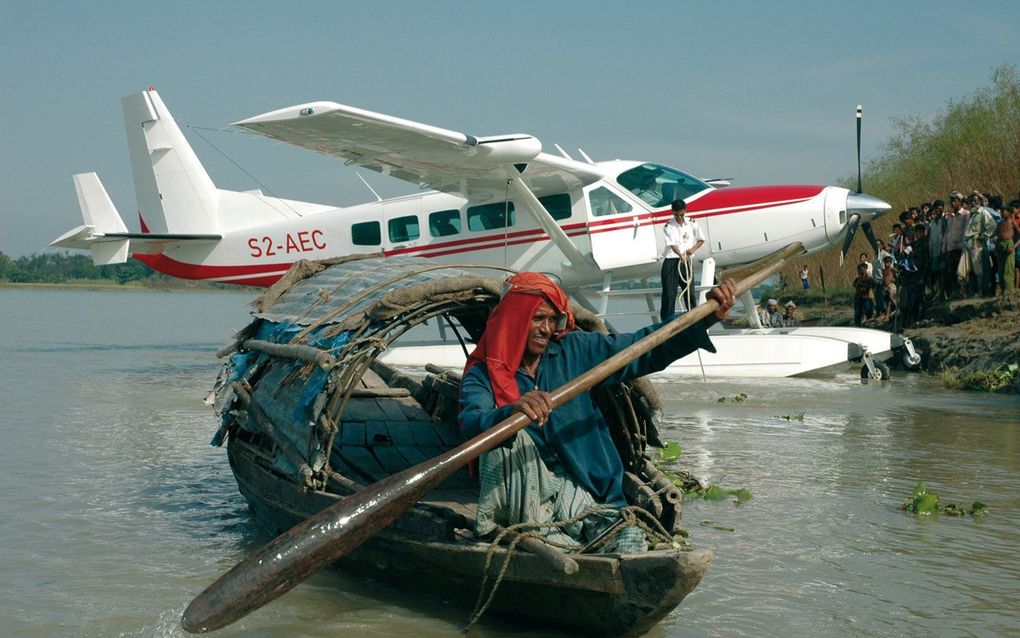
(659, 185)
(605, 202)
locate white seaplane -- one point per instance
(494, 200)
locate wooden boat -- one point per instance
(309, 415)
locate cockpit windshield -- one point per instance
(659, 185)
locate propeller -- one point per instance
(858, 204)
(860, 112)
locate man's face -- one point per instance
(543, 325)
(678, 215)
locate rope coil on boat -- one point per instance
(630, 516)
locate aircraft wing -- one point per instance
(424, 155)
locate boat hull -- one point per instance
(610, 595)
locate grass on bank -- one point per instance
(994, 380)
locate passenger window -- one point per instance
(366, 234)
(557, 205)
(605, 202)
(404, 229)
(444, 223)
(489, 216)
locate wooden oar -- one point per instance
(337, 530)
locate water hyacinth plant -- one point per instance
(926, 503)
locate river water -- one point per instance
(115, 511)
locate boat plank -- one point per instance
(372, 380)
(447, 433)
(392, 410)
(412, 410)
(364, 462)
(376, 433)
(340, 465)
(352, 433)
(413, 453)
(390, 458)
(424, 435)
(363, 409)
(400, 433)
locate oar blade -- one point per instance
(311, 545)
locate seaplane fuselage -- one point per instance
(497, 201)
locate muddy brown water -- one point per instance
(115, 511)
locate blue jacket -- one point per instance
(576, 434)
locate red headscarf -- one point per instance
(501, 347)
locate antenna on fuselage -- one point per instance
(563, 152)
(585, 156)
(377, 198)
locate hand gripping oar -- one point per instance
(337, 530)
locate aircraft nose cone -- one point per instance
(867, 206)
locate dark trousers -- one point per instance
(673, 272)
(950, 283)
(863, 308)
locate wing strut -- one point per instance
(523, 197)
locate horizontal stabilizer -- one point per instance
(105, 253)
(104, 233)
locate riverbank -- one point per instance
(971, 339)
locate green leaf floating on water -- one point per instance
(927, 503)
(716, 493)
(792, 417)
(671, 452)
(721, 528)
(743, 494)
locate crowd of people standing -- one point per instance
(970, 248)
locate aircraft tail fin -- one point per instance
(175, 194)
(101, 218)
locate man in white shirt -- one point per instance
(683, 239)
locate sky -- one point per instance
(761, 92)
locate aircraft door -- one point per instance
(621, 233)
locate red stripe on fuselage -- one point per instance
(184, 270)
(744, 196)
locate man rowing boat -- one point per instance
(566, 463)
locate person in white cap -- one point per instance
(771, 317)
(790, 319)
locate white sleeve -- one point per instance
(672, 234)
(698, 235)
